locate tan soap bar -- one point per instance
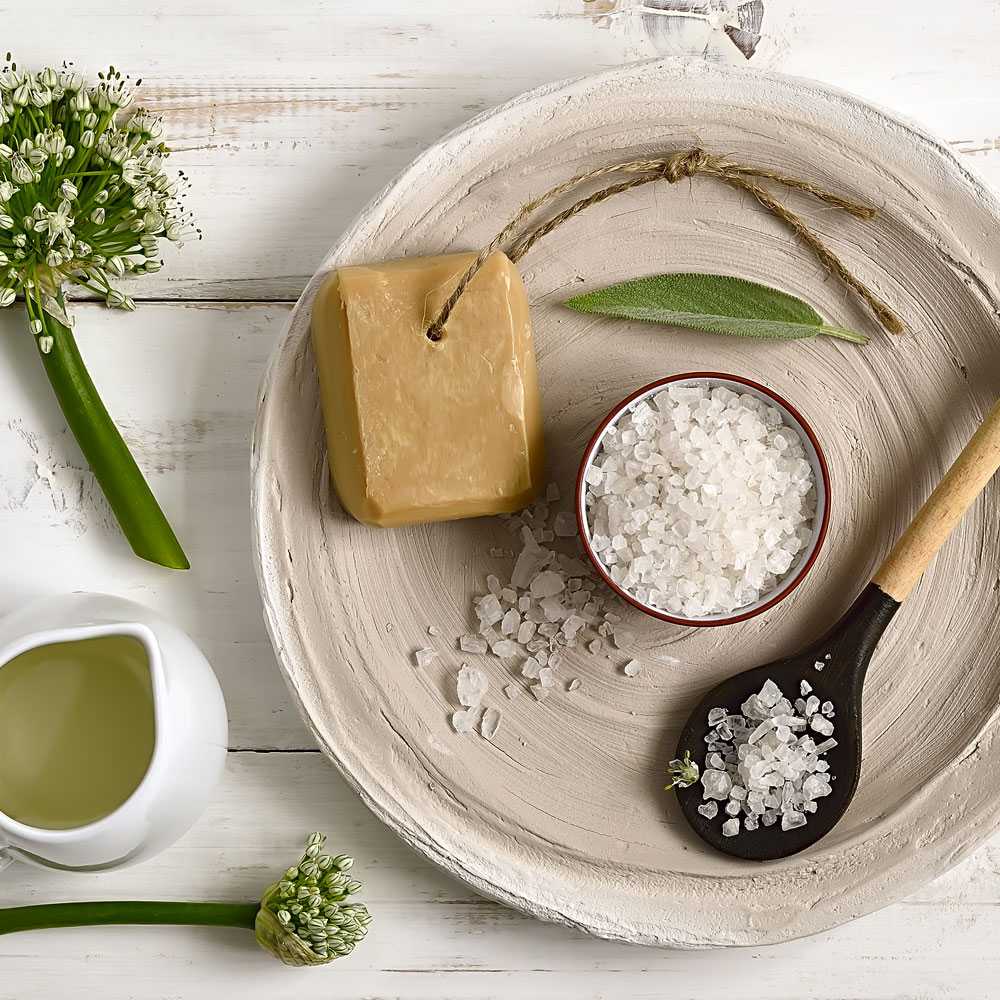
(420, 430)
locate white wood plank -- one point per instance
(182, 381)
(433, 939)
(289, 116)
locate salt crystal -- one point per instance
(804, 688)
(730, 828)
(792, 819)
(770, 694)
(508, 595)
(493, 584)
(472, 685)
(512, 691)
(530, 667)
(716, 784)
(709, 809)
(490, 723)
(546, 678)
(548, 583)
(574, 684)
(472, 644)
(632, 668)
(540, 693)
(504, 648)
(564, 524)
(525, 631)
(433, 630)
(595, 646)
(819, 665)
(827, 709)
(555, 659)
(424, 657)
(821, 725)
(464, 720)
(510, 623)
(488, 610)
(716, 715)
(523, 603)
(732, 808)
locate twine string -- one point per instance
(673, 168)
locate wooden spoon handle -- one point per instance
(964, 481)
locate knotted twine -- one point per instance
(673, 168)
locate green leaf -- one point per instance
(714, 303)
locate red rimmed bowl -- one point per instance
(813, 453)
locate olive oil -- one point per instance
(77, 730)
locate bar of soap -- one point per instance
(421, 430)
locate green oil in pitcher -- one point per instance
(77, 730)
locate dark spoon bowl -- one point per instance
(850, 645)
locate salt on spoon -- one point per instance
(844, 655)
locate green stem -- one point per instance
(142, 521)
(841, 334)
(30, 918)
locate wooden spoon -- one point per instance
(843, 655)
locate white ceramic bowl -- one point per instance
(814, 455)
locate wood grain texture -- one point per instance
(346, 605)
(289, 117)
(434, 939)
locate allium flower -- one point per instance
(305, 919)
(85, 201)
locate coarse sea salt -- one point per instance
(762, 763)
(700, 499)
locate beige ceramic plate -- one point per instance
(563, 814)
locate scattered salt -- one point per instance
(512, 691)
(472, 685)
(539, 692)
(433, 630)
(464, 720)
(564, 524)
(472, 644)
(632, 668)
(574, 684)
(424, 657)
(490, 723)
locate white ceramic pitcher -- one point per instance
(191, 735)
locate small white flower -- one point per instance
(45, 344)
(87, 139)
(69, 190)
(6, 222)
(22, 95)
(7, 296)
(36, 326)
(20, 170)
(98, 216)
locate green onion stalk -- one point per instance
(303, 919)
(84, 201)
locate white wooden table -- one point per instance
(288, 116)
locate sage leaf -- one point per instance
(713, 303)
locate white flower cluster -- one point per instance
(84, 198)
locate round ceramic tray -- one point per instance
(563, 813)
